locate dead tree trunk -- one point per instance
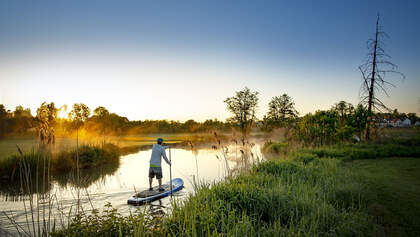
(373, 71)
(372, 82)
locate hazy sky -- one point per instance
(181, 59)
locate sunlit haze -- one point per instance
(180, 61)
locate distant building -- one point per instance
(406, 123)
(383, 123)
(396, 123)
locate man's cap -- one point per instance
(160, 139)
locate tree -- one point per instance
(374, 70)
(101, 111)
(281, 110)
(22, 119)
(21, 112)
(413, 117)
(319, 128)
(79, 113)
(3, 120)
(359, 118)
(46, 115)
(243, 107)
(344, 110)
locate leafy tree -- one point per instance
(46, 115)
(317, 129)
(374, 70)
(3, 112)
(191, 125)
(21, 112)
(359, 119)
(3, 120)
(79, 114)
(101, 112)
(281, 110)
(22, 120)
(344, 110)
(243, 107)
(413, 117)
(339, 124)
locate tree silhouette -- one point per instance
(374, 70)
(101, 111)
(46, 115)
(281, 110)
(243, 107)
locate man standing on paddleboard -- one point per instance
(158, 151)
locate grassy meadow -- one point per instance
(394, 185)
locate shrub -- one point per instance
(89, 157)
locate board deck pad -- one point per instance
(147, 193)
(147, 196)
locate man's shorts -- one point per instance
(155, 171)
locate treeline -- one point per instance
(342, 123)
(100, 121)
(16, 122)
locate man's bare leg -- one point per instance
(150, 182)
(160, 183)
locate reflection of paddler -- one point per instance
(158, 151)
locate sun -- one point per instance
(62, 113)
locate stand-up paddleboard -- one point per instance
(147, 196)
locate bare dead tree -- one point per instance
(374, 70)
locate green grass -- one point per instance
(401, 147)
(364, 151)
(274, 198)
(394, 184)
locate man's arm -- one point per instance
(164, 157)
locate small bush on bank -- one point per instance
(89, 157)
(273, 147)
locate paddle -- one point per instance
(170, 169)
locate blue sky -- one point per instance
(181, 59)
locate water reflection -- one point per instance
(14, 189)
(17, 189)
(87, 177)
